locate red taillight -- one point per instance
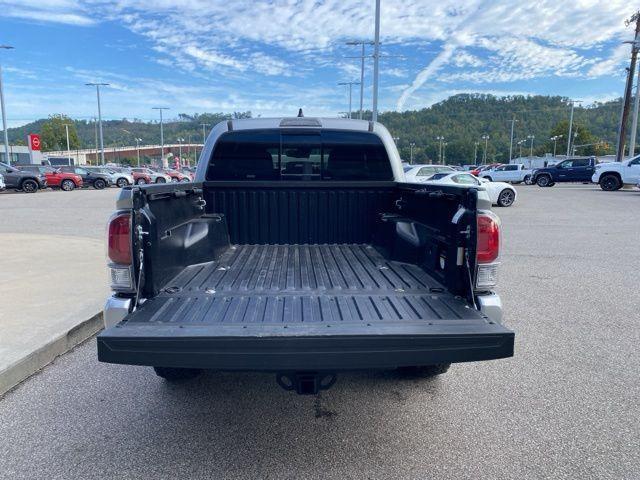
(119, 249)
(488, 248)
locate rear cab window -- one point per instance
(290, 155)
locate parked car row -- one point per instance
(31, 178)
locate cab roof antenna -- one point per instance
(300, 114)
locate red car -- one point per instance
(141, 178)
(56, 178)
(177, 176)
(482, 168)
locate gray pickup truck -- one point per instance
(300, 250)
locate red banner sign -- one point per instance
(34, 141)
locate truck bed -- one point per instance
(303, 307)
(295, 284)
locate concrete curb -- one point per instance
(19, 371)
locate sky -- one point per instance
(272, 57)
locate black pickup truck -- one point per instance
(300, 250)
(570, 170)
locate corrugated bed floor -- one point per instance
(302, 283)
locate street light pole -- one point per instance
(486, 145)
(513, 121)
(4, 113)
(440, 140)
(66, 128)
(531, 137)
(160, 109)
(180, 140)
(138, 140)
(475, 152)
(98, 85)
(411, 145)
(444, 153)
(376, 59)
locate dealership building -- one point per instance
(21, 154)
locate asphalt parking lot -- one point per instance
(566, 406)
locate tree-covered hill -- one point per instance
(462, 120)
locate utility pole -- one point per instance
(350, 84)
(635, 46)
(376, 61)
(485, 137)
(4, 113)
(95, 132)
(98, 85)
(444, 153)
(475, 152)
(362, 56)
(160, 109)
(634, 123)
(411, 145)
(573, 102)
(513, 121)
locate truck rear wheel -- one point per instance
(610, 182)
(177, 374)
(425, 371)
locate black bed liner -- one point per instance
(301, 284)
(300, 307)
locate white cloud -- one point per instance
(465, 59)
(249, 39)
(50, 11)
(612, 65)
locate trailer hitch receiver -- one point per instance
(306, 383)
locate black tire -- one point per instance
(610, 182)
(544, 181)
(174, 180)
(99, 184)
(141, 181)
(528, 180)
(67, 185)
(29, 186)
(488, 178)
(426, 371)
(506, 198)
(122, 182)
(177, 374)
(160, 180)
(185, 180)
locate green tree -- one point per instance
(54, 135)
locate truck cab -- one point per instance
(300, 250)
(570, 170)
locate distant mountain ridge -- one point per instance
(462, 119)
